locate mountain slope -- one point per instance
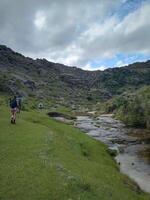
(44, 79)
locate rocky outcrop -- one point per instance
(53, 80)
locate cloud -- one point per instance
(40, 19)
(131, 35)
(120, 63)
(65, 20)
(89, 67)
(74, 32)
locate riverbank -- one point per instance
(45, 159)
(131, 145)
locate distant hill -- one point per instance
(43, 79)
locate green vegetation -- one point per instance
(132, 108)
(68, 86)
(49, 160)
(42, 159)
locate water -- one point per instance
(132, 145)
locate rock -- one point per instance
(112, 151)
(62, 115)
(40, 105)
(121, 149)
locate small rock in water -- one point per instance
(143, 142)
(121, 149)
(132, 163)
(113, 152)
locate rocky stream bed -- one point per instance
(131, 145)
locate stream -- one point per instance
(132, 145)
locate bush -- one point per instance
(132, 108)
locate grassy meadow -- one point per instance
(42, 159)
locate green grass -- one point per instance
(41, 159)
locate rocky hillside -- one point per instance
(43, 79)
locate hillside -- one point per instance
(44, 159)
(43, 79)
(132, 108)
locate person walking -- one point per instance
(14, 109)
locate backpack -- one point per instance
(13, 103)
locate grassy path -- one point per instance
(41, 159)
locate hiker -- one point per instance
(14, 108)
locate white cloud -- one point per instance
(131, 35)
(89, 67)
(102, 68)
(73, 32)
(120, 63)
(40, 20)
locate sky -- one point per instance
(90, 34)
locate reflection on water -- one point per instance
(132, 145)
